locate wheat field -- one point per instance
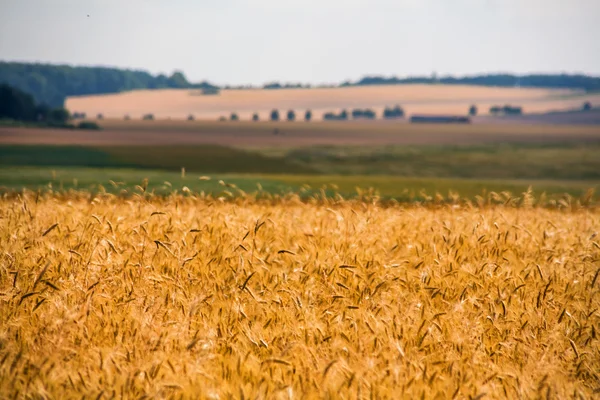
(415, 98)
(194, 297)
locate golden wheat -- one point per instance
(199, 298)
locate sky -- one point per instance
(309, 41)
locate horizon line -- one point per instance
(432, 75)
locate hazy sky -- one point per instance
(311, 41)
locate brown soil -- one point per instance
(247, 134)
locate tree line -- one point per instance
(52, 84)
(343, 115)
(561, 81)
(16, 106)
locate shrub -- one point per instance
(391, 113)
(234, 117)
(587, 106)
(210, 91)
(506, 110)
(495, 110)
(291, 115)
(440, 119)
(473, 110)
(366, 113)
(127, 117)
(308, 115)
(59, 116)
(330, 116)
(510, 110)
(190, 117)
(148, 117)
(99, 116)
(88, 125)
(255, 117)
(275, 115)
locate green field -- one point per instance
(206, 158)
(163, 182)
(404, 173)
(556, 161)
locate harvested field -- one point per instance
(194, 298)
(437, 99)
(248, 134)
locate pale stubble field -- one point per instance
(414, 98)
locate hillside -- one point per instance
(52, 84)
(414, 98)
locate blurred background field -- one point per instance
(391, 158)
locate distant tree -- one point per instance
(358, 113)
(473, 110)
(234, 117)
(126, 117)
(275, 115)
(42, 111)
(308, 115)
(255, 117)
(291, 115)
(178, 80)
(148, 117)
(506, 110)
(190, 117)
(330, 116)
(396, 112)
(273, 85)
(16, 104)
(511, 110)
(59, 115)
(587, 106)
(99, 116)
